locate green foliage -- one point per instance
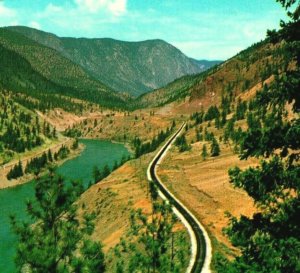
(241, 109)
(75, 144)
(212, 113)
(62, 153)
(182, 144)
(28, 67)
(208, 136)
(214, 148)
(199, 137)
(36, 164)
(204, 153)
(19, 128)
(269, 240)
(72, 132)
(56, 242)
(15, 172)
(198, 117)
(101, 174)
(155, 247)
(148, 147)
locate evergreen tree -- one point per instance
(50, 157)
(54, 134)
(182, 144)
(198, 135)
(155, 251)
(96, 174)
(270, 239)
(105, 171)
(75, 144)
(56, 242)
(15, 172)
(214, 148)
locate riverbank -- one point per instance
(5, 183)
(13, 200)
(127, 145)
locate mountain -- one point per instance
(35, 69)
(132, 67)
(246, 71)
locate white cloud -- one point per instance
(53, 8)
(8, 16)
(6, 12)
(115, 7)
(35, 25)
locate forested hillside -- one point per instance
(133, 67)
(42, 71)
(20, 130)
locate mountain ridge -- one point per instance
(53, 73)
(134, 67)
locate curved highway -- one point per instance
(200, 242)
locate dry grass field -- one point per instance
(203, 185)
(113, 199)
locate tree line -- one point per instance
(36, 164)
(150, 146)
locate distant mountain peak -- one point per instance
(133, 67)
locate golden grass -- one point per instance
(113, 199)
(203, 185)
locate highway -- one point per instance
(201, 251)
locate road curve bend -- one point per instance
(201, 251)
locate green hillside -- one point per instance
(133, 67)
(43, 70)
(20, 129)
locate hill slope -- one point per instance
(43, 70)
(133, 67)
(244, 72)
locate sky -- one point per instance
(202, 29)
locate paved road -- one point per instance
(200, 242)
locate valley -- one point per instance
(82, 118)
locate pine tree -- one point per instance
(15, 172)
(50, 158)
(154, 236)
(56, 242)
(96, 174)
(105, 171)
(270, 239)
(214, 148)
(204, 152)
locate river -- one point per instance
(12, 200)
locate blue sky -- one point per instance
(202, 29)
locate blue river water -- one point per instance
(13, 200)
